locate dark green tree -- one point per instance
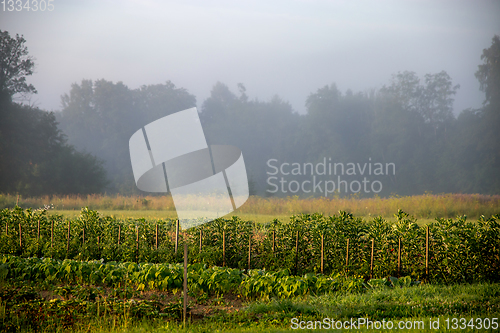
(15, 65)
(484, 168)
(476, 139)
(35, 159)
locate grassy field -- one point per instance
(414, 306)
(158, 214)
(423, 207)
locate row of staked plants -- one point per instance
(459, 250)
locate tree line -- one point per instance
(409, 122)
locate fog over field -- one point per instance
(297, 84)
(288, 48)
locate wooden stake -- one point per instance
(224, 248)
(371, 259)
(297, 252)
(201, 238)
(347, 254)
(52, 234)
(399, 257)
(274, 241)
(184, 301)
(69, 232)
(176, 235)
(83, 236)
(427, 252)
(137, 244)
(119, 234)
(20, 238)
(322, 251)
(156, 237)
(249, 248)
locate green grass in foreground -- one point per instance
(415, 304)
(418, 303)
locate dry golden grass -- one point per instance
(428, 206)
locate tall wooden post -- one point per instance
(274, 241)
(399, 257)
(297, 252)
(176, 235)
(224, 248)
(156, 237)
(322, 251)
(137, 244)
(427, 252)
(249, 248)
(347, 254)
(119, 234)
(184, 301)
(52, 234)
(83, 236)
(201, 238)
(371, 259)
(20, 238)
(69, 232)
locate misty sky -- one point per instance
(289, 48)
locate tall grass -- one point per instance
(420, 206)
(93, 201)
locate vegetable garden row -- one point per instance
(202, 281)
(447, 250)
(44, 294)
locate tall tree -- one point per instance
(487, 136)
(15, 65)
(488, 73)
(436, 100)
(411, 119)
(432, 100)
